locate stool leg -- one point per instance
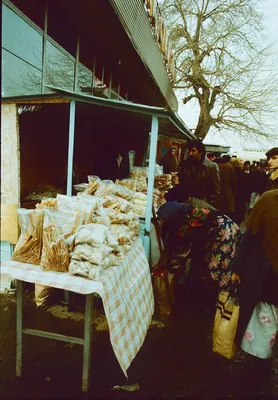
(19, 328)
(87, 347)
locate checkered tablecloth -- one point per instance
(126, 292)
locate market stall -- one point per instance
(56, 249)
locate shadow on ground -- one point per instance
(175, 362)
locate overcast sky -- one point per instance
(189, 113)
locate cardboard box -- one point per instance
(9, 223)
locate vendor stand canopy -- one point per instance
(157, 119)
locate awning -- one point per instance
(170, 123)
(152, 119)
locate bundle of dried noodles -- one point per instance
(29, 246)
(92, 187)
(59, 231)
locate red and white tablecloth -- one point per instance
(126, 292)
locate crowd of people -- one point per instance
(201, 223)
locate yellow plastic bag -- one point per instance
(225, 324)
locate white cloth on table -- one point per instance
(126, 292)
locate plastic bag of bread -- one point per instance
(103, 220)
(105, 189)
(117, 217)
(94, 183)
(124, 249)
(74, 203)
(93, 234)
(112, 242)
(95, 273)
(139, 210)
(83, 268)
(47, 203)
(123, 192)
(120, 233)
(140, 196)
(134, 227)
(137, 172)
(140, 202)
(59, 229)
(129, 183)
(110, 261)
(95, 255)
(117, 203)
(96, 201)
(29, 245)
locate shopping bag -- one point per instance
(225, 324)
(261, 332)
(163, 290)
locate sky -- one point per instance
(189, 113)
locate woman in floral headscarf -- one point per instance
(209, 237)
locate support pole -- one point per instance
(44, 45)
(76, 67)
(152, 160)
(19, 328)
(71, 146)
(87, 349)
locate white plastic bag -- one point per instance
(120, 233)
(75, 203)
(95, 255)
(94, 234)
(81, 268)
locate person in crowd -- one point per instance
(227, 185)
(112, 164)
(246, 167)
(243, 192)
(212, 156)
(253, 166)
(169, 161)
(198, 177)
(255, 267)
(259, 183)
(272, 158)
(210, 238)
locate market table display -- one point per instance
(127, 295)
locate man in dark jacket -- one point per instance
(272, 158)
(199, 177)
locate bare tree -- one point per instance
(222, 62)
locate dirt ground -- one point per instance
(175, 362)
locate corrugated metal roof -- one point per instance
(135, 20)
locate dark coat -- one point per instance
(227, 187)
(200, 180)
(259, 183)
(258, 281)
(271, 184)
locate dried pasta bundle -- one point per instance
(105, 189)
(93, 186)
(59, 231)
(129, 183)
(123, 192)
(47, 203)
(29, 246)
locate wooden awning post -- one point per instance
(152, 161)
